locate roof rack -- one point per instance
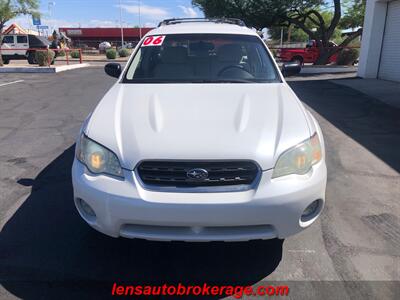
(198, 20)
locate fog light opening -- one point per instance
(311, 211)
(86, 209)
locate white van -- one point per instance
(21, 46)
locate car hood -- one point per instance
(199, 122)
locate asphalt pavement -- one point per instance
(47, 251)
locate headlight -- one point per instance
(299, 159)
(98, 159)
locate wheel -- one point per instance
(32, 58)
(298, 60)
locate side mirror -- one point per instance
(290, 69)
(113, 69)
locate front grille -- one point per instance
(220, 173)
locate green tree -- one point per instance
(290, 34)
(354, 14)
(317, 18)
(9, 9)
(298, 35)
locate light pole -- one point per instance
(120, 23)
(140, 25)
(50, 8)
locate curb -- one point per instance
(42, 70)
(94, 60)
(106, 61)
(327, 70)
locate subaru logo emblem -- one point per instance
(197, 174)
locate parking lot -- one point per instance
(47, 251)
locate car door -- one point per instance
(22, 45)
(310, 52)
(8, 42)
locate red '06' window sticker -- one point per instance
(153, 40)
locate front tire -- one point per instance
(298, 60)
(5, 60)
(32, 58)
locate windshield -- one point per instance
(180, 58)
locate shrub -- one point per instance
(111, 53)
(347, 56)
(43, 57)
(61, 53)
(75, 54)
(123, 52)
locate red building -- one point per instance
(92, 37)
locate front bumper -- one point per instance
(273, 210)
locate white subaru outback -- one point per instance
(200, 139)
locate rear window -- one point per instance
(37, 41)
(180, 58)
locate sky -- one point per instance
(106, 13)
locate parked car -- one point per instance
(103, 46)
(127, 46)
(26, 45)
(300, 56)
(200, 139)
(131, 45)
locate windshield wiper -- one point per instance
(180, 81)
(223, 81)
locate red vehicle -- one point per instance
(309, 54)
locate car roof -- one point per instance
(201, 27)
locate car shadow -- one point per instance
(372, 123)
(47, 251)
